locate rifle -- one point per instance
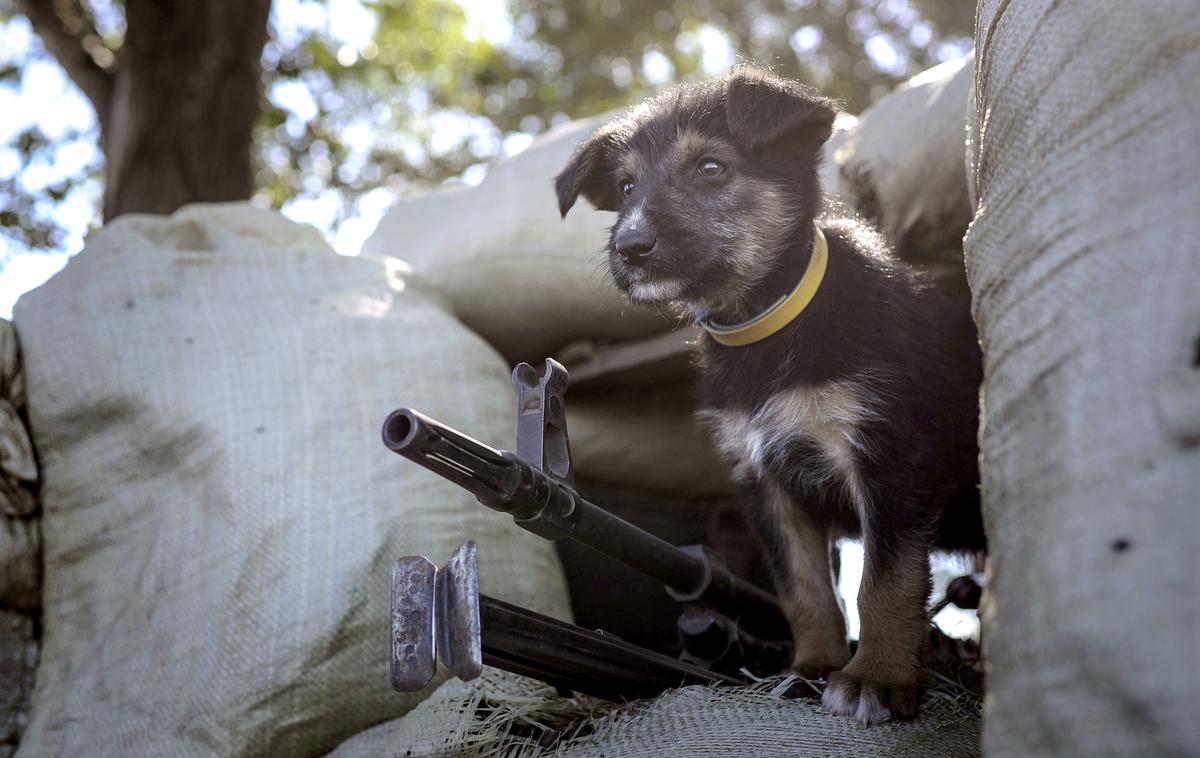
(728, 627)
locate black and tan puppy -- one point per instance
(841, 386)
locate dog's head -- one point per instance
(709, 182)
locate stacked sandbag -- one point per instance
(901, 167)
(1084, 261)
(220, 517)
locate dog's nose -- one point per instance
(635, 247)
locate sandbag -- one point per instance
(220, 516)
(1084, 261)
(502, 714)
(902, 167)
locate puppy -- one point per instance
(841, 386)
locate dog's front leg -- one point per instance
(798, 552)
(881, 681)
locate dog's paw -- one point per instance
(871, 702)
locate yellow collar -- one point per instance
(784, 311)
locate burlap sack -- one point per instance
(1084, 260)
(220, 516)
(902, 167)
(502, 714)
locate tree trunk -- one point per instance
(177, 127)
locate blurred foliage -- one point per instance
(429, 93)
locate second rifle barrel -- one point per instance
(506, 483)
(528, 643)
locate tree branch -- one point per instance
(75, 50)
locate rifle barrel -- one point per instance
(552, 509)
(482, 470)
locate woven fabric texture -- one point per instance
(1084, 261)
(220, 516)
(504, 715)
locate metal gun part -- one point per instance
(552, 509)
(542, 419)
(439, 615)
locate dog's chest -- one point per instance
(815, 433)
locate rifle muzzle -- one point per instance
(480, 469)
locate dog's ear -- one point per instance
(762, 108)
(589, 173)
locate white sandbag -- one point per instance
(902, 167)
(220, 516)
(512, 270)
(1084, 261)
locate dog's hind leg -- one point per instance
(881, 681)
(798, 551)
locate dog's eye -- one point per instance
(626, 188)
(710, 167)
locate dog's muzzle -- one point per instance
(634, 246)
